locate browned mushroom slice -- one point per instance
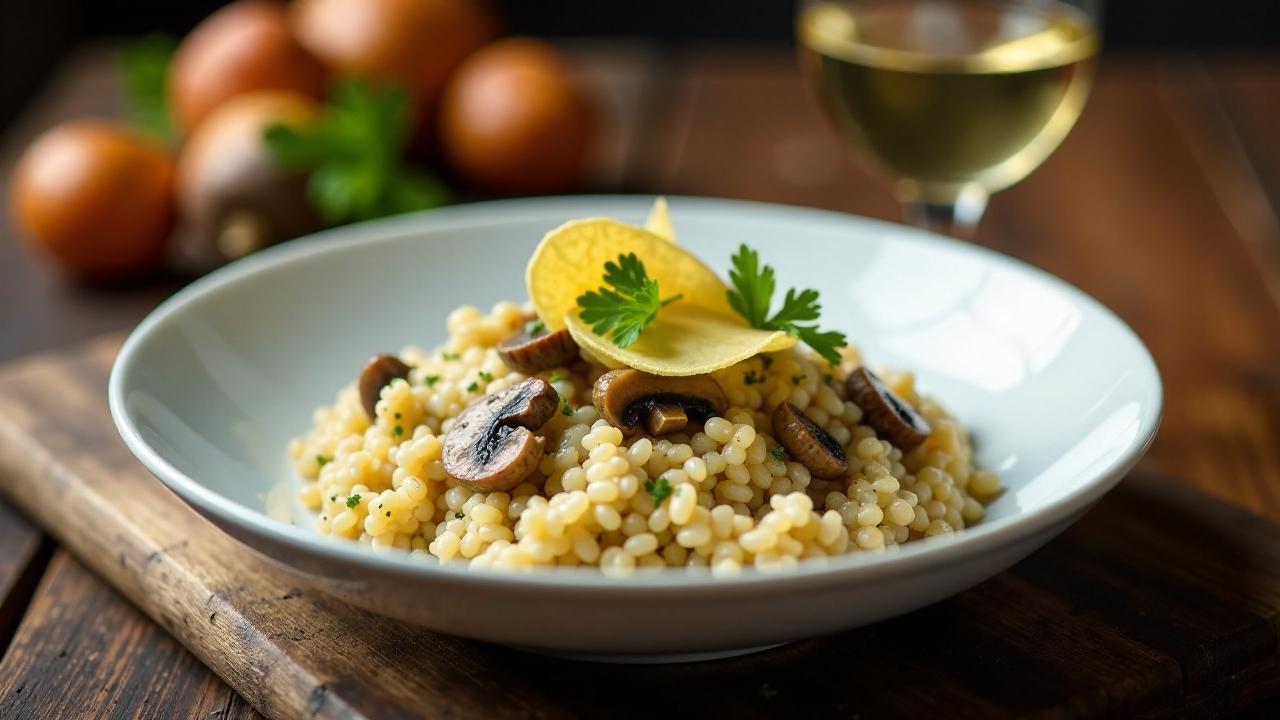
(491, 445)
(377, 374)
(627, 398)
(533, 349)
(808, 444)
(889, 415)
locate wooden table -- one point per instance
(1162, 203)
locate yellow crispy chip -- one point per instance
(685, 339)
(659, 220)
(570, 261)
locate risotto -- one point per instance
(790, 459)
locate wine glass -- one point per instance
(953, 99)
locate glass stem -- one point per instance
(955, 214)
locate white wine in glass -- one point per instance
(954, 99)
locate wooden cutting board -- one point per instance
(1161, 601)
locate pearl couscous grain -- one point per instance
(722, 496)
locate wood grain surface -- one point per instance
(77, 626)
(1162, 203)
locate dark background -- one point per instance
(35, 34)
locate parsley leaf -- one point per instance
(556, 376)
(534, 327)
(353, 501)
(626, 310)
(431, 380)
(354, 152)
(485, 376)
(451, 356)
(779, 453)
(660, 490)
(143, 66)
(321, 460)
(752, 298)
(474, 386)
(565, 410)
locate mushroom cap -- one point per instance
(808, 444)
(625, 397)
(893, 418)
(491, 445)
(530, 353)
(377, 374)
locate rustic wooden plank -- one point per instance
(75, 629)
(23, 555)
(1122, 210)
(1160, 590)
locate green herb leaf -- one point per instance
(144, 70)
(779, 453)
(397, 431)
(485, 376)
(751, 377)
(451, 356)
(321, 460)
(556, 376)
(355, 154)
(459, 515)
(752, 298)
(474, 386)
(565, 410)
(660, 490)
(431, 380)
(353, 501)
(626, 310)
(533, 327)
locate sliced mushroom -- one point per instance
(627, 398)
(807, 443)
(491, 445)
(377, 374)
(533, 349)
(889, 415)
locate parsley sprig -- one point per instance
(355, 154)
(752, 298)
(626, 310)
(144, 71)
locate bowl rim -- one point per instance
(831, 572)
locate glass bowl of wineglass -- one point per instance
(952, 99)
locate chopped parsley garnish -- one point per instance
(752, 298)
(779, 453)
(353, 501)
(660, 490)
(565, 409)
(556, 376)
(459, 515)
(753, 378)
(397, 431)
(485, 376)
(431, 380)
(795, 379)
(333, 498)
(533, 327)
(473, 387)
(321, 460)
(451, 356)
(626, 310)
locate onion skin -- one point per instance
(97, 197)
(245, 46)
(514, 121)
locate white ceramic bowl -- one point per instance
(1061, 396)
